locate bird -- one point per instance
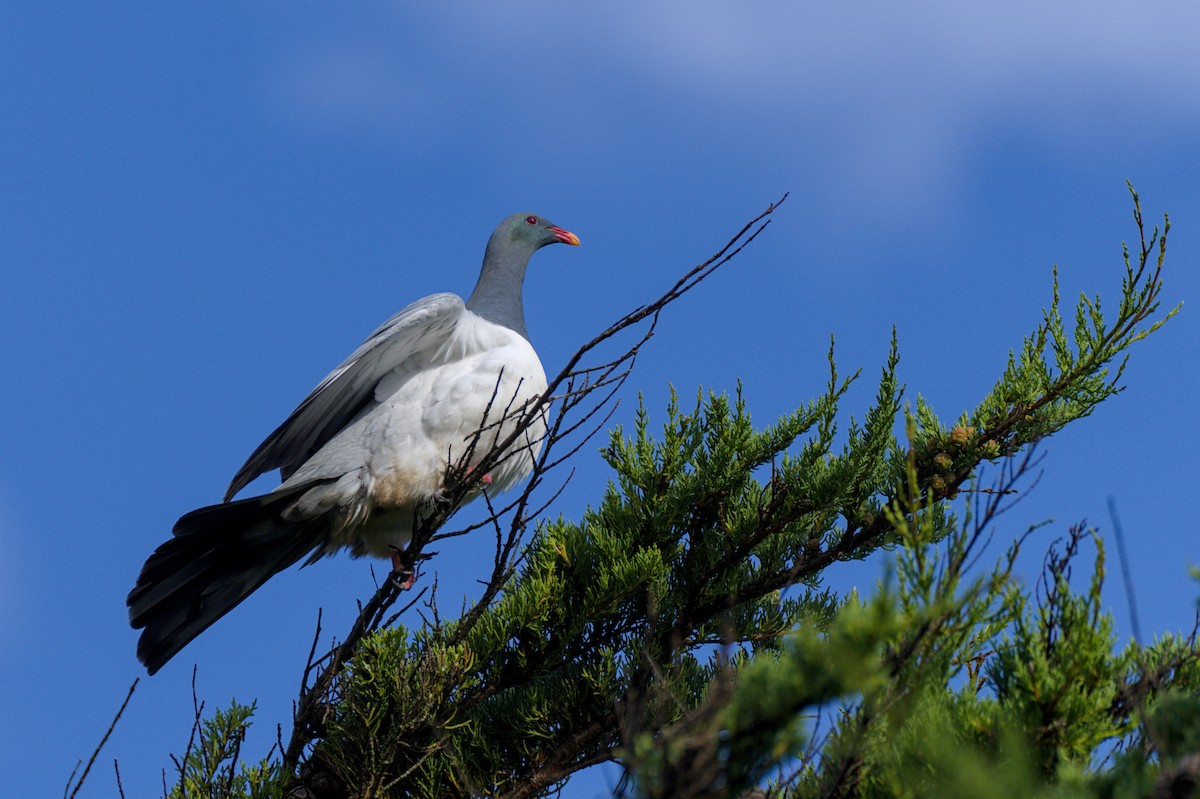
(436, 387)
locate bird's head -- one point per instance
(497, 295)
(534, 232)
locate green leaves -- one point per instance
(211, 766)
(1056, 673)
(1058, 378)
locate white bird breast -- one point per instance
(462, 396)
(459, 410)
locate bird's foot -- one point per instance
(400, 570)
(486, 479)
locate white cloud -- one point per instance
(909, 83)
(939, 54)
(966, 48)
(895, 92)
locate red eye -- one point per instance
(531, 220)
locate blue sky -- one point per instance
(203, 209)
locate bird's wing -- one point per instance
(413, 333)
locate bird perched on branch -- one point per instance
(436, 388)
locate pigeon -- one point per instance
(435, 388)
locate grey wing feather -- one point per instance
(350, 387)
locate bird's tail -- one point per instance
(217, 556)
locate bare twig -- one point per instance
(96, 753)
(120, 787)
(1126, 574)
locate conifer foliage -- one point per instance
(682, 629)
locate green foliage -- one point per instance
(683, 629)
(211, 767)
(1053, 673)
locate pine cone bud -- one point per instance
(959, 436)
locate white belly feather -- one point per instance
(429, 414)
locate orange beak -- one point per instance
(565, 236)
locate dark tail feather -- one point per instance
(217, 557)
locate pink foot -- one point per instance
(486, 479)
(398, 568)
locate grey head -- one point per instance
(497, 295)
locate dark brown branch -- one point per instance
(562, 763)
(310, 701)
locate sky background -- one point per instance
(205, 207)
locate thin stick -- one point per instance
(99, 746)
(1126, 574)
